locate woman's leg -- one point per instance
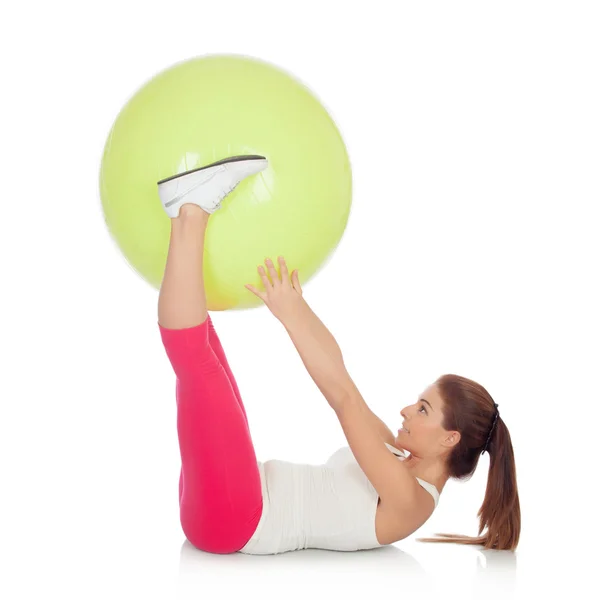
(217, 347)
(221, 497)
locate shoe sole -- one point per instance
(219, 162)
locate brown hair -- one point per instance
(469, 409)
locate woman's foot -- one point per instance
(206, 187)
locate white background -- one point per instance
(472, 248)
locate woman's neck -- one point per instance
(430, 470)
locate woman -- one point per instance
(378, 490)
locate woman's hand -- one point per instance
(282, 295)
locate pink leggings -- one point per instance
(220, 496)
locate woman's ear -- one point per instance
(452, 439)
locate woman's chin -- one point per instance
(398, 443)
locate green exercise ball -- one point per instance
(207, 109)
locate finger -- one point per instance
(285, 276)
(255, 291)
(296, 282)
(264, 278)
(272, 271)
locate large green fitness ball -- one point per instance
(207, 109)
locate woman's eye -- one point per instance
(423, 408)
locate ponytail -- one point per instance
(500, 512)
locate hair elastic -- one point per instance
(492, 429)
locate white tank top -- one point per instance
(330, 506)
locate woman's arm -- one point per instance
(364, 431)
(320, 353)
(318, 349)
(323, 360)
(384, 431)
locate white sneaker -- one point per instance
(208, 185)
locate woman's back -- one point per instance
(331, 506)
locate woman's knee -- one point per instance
(217, 540)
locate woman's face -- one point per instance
(422, 431)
